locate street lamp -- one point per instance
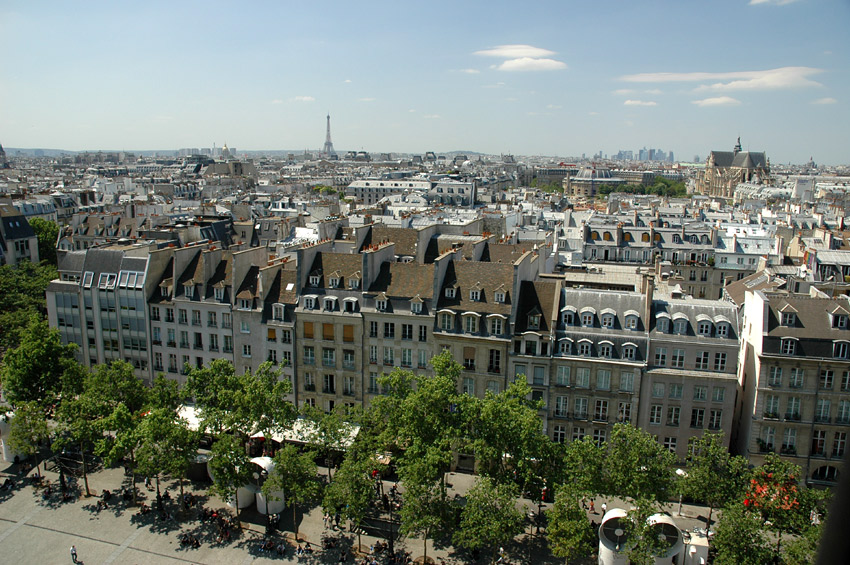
(681, 473)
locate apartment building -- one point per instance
(795, 373)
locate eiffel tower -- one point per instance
(328, 150)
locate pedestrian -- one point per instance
(73, 553)
(592, 508)
(604, 508)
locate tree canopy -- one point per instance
(47, 233)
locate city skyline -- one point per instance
(554, 79)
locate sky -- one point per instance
(558, 78)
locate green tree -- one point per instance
(40, 369)
(714, 477)
(165, 393)
(636, 465)
(583, 463)
(230, 467)
(327, 433)
(215, 388)
(296, 475)
(47, 233)
(352, 492)
(22, 297)
(570, 533)
(261, 405)
(167, 446)
(123, 440)
(740, 538)
(490, 517)
(803, 549)
(28, 431)
(78, 426)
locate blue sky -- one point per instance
(552, 78)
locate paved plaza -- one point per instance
(35, 529)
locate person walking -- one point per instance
(604, 508)
(73, 554)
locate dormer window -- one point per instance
(840, 349)
(416, 307)
(840, 321)
(631, 322)
(244, 304)
(219, 294)
(475, 295)
(499, 297)
(662, 325)
(277, 311)
(470, 324)
(629, 352)
(353, 283)
(704, 329)
(330, 303)
(789, 319)
(314, 280)
(163, 291)
(587, 319)
(534, 321)
(789, 346)
(309, 302)
(680, 326)
(723, 329)
(334, 282)
(568, 318)
(450, 292)
(606, 350)
(381, 305)
(607, 320)
(188, 290)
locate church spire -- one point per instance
(737, 148)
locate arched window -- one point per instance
(645, 237)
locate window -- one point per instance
(493, 387)
(373, 354)
(416, 307)
(423, 333)
(655, 414)
(330, 303)
(840, 321)
(422, 361)
(211, 320)
(578, 433)
(583, 377)
(601, 412)
(560, 434)
(631, 322)
(603, 379)
(599, 437)
(496, 326)
(796, 379)
(660, 356)
(469, 358)
(539, 376)
(328, 357)
(789, 319)
(680, 326)
(225, 321)
(228, 344)
(840, 349)
(446, 321)
(697, 417)
(771, 406)
(719, 361)
(407, 332)
(213, 342)
(839, 444)
(714, 419)
(353, 283)
(662, 325)
(561, 406)
(723, 329)
(587, 319)
(475, 295)
(584, 348)
(789, 440)
(389, 330)
(658, 390)
(580, 408)
(565, 347)
(348, 359)
(788, 347)
(495, 365)
(670, 444)
(562, 376)
(629, 352)
(373, 383)
(704, 329)
(627, 382)
(314, 280)
(677, 361)
(624, 412)
(245, 327)
(499, 297)
(606, 350)
(309, 355)
(826, 379)
(470, 324)
(309, 302)
(373, 329)
(822, 410)
(246, 350)
(774, 377)
(568, 318)
(718, 394)
(673, 415)
(450, 292)
(329, 384)
(389, 356)
(381, 305)
(700, 392)
(468, 386)
(184, 340)
(607, 320)
(182, 316)
(702, 360)
(793, 409)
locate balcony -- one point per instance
(157, 367)
(157, 342)
(792, 417)
(196, 322)
(227, 350)
(329, 390)
(271, 339)
(348, 393)
(199, 346)
(310, 387)
(172, 344)
(309, 360)
(764, 447)
(184, 345)
(348, 365)
(212, 324)
(788, 450)
(388, 363)
(213, 348)
(374, 390)
(842, 419)
(771, 415)
(580, 415)
(373, 360)
(562, 414)
(602, 418)
(331, 363)
(821, 419)
(495, 369)
(468, 365)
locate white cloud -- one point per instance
(515, 51)
(511, 99)
(412, 111)
(554, 106)
(825, 101)
(593, 113)
(771, 79)
(278, 101)
(718, 101)
(529, 64)
(624, 92)
(639, 103)
(431, 116)
(497, 85)
(774, 2)
(348, 80)
(470, 71)
(304, 99)
(365, 99)
(653, 91)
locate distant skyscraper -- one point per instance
(328, 149)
